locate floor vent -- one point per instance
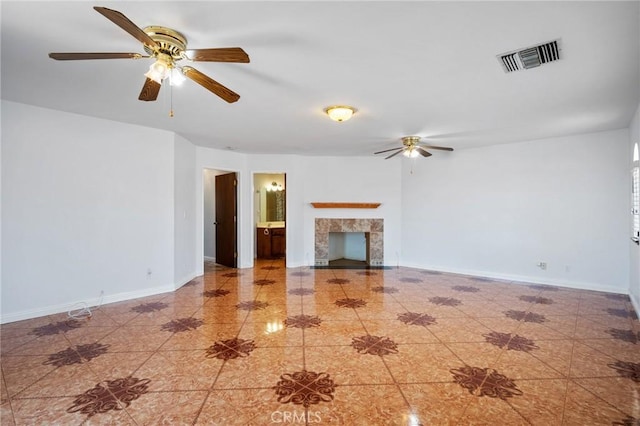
(530, 57)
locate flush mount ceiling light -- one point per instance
(340, 112)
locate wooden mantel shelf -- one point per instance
(345, 205)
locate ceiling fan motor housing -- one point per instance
(171, 42)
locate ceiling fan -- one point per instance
(167, 47)
(411, 147)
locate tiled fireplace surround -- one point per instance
(373, 229)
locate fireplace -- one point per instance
(372, 228)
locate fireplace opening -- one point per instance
(348, 248)
(369, 233)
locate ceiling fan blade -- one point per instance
(226, 54)
(423, 152)
(444, 148)
(77, 56)
(387, 150)
(210, 84)
(123, 22)
(395, 153)
(149, 91)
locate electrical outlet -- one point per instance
(542, 265)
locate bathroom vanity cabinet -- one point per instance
(271, 242)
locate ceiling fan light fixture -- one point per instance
(158, 71)
(176, 77)
(411, 153)
(340, 113)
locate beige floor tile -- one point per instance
(269, 345)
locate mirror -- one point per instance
(270, 197)
(275, 206)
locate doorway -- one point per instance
(220, 214)
(269, 215)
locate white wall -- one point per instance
(347, 245)
(352, 179)
(87, 205)
(355, 246)
(497, 211)
(184, 212)
(93, 205)
(634, 249)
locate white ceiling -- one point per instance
(425, 68)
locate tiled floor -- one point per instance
(271, 345)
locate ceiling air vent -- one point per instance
(530, 57)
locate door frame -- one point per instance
(253, 210)
(200, 258)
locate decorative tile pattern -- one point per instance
(252, 305)
(216, 293)
(56, 328)
(509, 341)
(303, 321)
(622, 313)
(630, 370)
(415, 318)
(44, 360)
(386, 290)
(351, 303)
(182, 324)
(230, 349)
(465, 288)
(305, 388)
(270, 268)
(338, 281)
(232, 274)
(301, 291)
(77, 355)
(110, 395)
(536, 299)
(629, 336)
(149, 307)
(525, 316)
(264, 281)
(445, 301)
(485, 382)
(374, 345)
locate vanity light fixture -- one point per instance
(274, 187)
(340, 112)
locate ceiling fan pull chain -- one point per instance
(170, 99)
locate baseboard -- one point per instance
(525, 280)
(635, 301)
(66, 307)
(182, 281)
(211, 259)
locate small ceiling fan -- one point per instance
(411, 147)
(167, 47)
